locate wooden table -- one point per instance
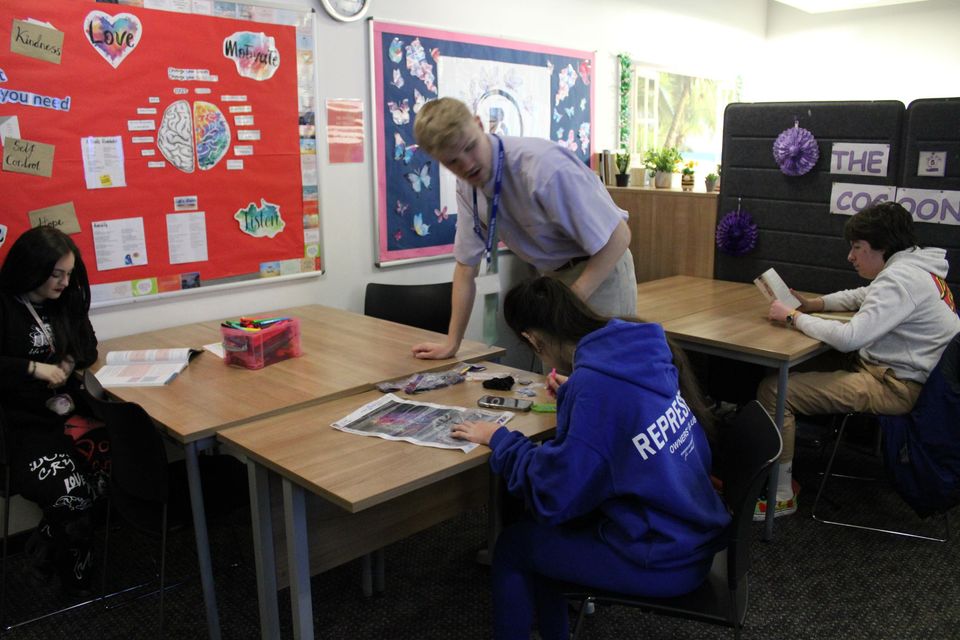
(381, 490)
(343, 353)
(728, 319)
(678, 296)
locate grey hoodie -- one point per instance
(902, 319)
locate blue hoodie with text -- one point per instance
(628, 453)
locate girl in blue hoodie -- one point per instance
(621, 498)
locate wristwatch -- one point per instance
(791, 318)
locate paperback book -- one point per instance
(144, 368)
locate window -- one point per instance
(673, 110)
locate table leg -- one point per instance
(203, 540)
(774, 471)
(379, 570)
(298, 559)
(258, 479)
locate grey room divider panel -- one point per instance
(797, 233)
(933, 124)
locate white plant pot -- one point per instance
(663, 179)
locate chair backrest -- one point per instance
(921, 449)
(138, 474)
(426, 306)
(750, 447)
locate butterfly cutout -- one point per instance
(418, 227)
(560, 131)
(583, 104)
(569, 143)
(435, 54)
(419, 179)
(418, 101)
(549, 67)
(584, 136)
(402, 151)
(397, 79)
(418, 66)
(401, 208)
(585, 71)
(566, 79)
(396, 50)
(441, 214)
(569, 111)
(556, 115)
(398, 235)
(401, 112)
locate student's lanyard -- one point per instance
(40, 324)
(491, 239)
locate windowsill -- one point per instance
(680, 192)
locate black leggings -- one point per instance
(61, 475)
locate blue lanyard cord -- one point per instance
(492, 226)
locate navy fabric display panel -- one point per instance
(798, 235)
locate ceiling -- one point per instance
(826, 6)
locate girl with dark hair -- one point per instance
(621, 498)
(904, 320)
(58, 457)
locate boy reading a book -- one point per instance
(904, 320)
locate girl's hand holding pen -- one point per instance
(554, 380)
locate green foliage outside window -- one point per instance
(626, 79)
(680, 111)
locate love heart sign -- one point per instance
(113, 37)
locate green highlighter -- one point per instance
(544, 407)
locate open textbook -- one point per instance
(419, 423)
(144, 368)
(773, 287)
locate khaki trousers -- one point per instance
(867, 388)
(616, 296)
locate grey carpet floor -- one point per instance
(811, 581)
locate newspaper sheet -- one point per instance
(421, 423)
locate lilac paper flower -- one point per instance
(736, 233)
(795, 151)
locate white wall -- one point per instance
(894, 52)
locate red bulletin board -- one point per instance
(176, 57)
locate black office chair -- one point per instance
(7, 491)
(139, 480)
(426, 306)
(920, 453)
(749, 448)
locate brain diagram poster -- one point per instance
(166, 143)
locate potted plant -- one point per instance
(623, 169)
(712, 180)
(686, 179)
(661, 163)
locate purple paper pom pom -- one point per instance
(796, 151)
(737, 233)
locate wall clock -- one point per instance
(346, 10)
